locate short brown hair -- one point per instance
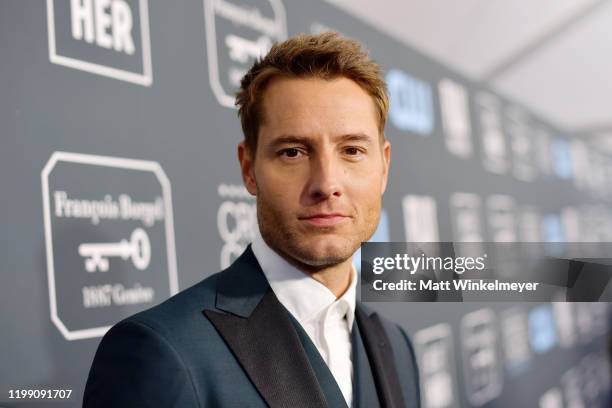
(326, 56)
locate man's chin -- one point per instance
(322, 256)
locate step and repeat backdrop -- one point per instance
(120, 187)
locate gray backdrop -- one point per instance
(120, 186)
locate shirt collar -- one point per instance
(304, 297)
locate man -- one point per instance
(281, 326)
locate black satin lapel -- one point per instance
(382, 362)
(269, 350)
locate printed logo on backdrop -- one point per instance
(515, 338)
(109, 238)
(411, 103)
(502, 227)
(501, 218)
(597, 173)
(456, 118)
(494, 156)
(434, 349)
(571, 221)
(553, 233)
(466, 222)
(585, 164)
(236, 221)
(529, 224)
(483, 372)
(542, 330)
(104, 37)
(543, 152)
(237, 33)
(562, 159)
(420, 218)
(565, 323)
(521, 144)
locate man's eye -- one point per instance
(352, 151)
(291, 152)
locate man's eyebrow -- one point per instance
(353, 137)
(289, 139)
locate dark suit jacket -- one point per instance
(228, 342)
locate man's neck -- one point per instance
(337, 278)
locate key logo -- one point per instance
(236, 35)
(138, 249)
(109, 239)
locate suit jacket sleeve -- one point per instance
(136, 367)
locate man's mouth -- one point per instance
(325, 220)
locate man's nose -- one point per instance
(325, 176)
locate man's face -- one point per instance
(319, 171)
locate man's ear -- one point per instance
(245, 157)
(386, 155)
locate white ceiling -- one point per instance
(554, 56)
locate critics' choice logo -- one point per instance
(109, 240)
(104, 37)
(237, 34)
(411, 103)
(236, 221)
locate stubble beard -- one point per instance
(289, 243)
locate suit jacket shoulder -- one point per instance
(140, 361)
(178, 312)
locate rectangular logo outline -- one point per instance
(145, 79)
(113, 162)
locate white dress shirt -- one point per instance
(326, 320)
